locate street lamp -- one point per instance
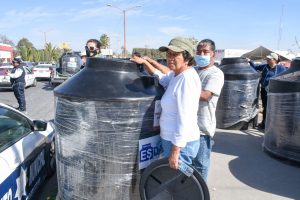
(124, 16)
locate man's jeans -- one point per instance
(187, 153)
(202, 160)
(19, 89)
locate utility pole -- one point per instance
(124, 23)
(44, 32)
(280, 28)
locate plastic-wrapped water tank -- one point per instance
(70, 63)
(282, 132)
(238, 101)
(101, 114)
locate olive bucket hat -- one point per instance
(179, 44)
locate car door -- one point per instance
(20, 148)
(29, 76)
(5, 180)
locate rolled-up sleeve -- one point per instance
(164, 79)
(17, 73)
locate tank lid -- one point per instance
(233, 60)
(287, 81)
(237, 68)
(103, 79)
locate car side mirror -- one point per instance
(39, 125)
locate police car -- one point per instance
(30, 79)
(27, 154)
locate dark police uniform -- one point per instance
(18, 86)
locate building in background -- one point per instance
(107, 52)
(6, 53)
(229, 53)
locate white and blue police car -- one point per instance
(27, 154)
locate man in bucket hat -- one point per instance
(269, 70)
(178, 121)
(17, 79)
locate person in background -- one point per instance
(212, 80)
(83, 59)
(269, 70)
(93, 48)
(17, 79)
(178, 122)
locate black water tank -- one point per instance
(101, 114)
(70, 63)
(282, 132)
(238, 102)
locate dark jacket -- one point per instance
(20, 79)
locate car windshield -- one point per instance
(12, 127)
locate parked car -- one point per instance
(27, 153)
(27, 64)
(43, 71)
(30, 79)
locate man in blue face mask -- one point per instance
(212, 80)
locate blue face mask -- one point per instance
(202, 61)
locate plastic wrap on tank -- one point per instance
(101, 114)
(239, 102)
(282, 132)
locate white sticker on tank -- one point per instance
(149, 150)
(157, 113)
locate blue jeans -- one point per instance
(19, 92)
(202, 160)
(187, 153)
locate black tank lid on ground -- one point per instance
(237, 69)
(104, 79)
(287, 81)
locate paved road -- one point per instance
(39, 100)
(240, 169)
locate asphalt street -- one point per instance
(240, 169)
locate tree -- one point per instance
(105, 40)
(51, 53)
(24, 42)
(193, 40)
(25, 53)
(153, 53)
(5, 40)
(65, 46)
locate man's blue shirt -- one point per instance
(267, 72)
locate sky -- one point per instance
(232, 24)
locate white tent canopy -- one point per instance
(261, 52)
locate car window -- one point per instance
(13, 127)
(43, 66)
(28, 71)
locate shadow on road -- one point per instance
(5, 90)
(49, 189)
(47, 86)
(256, 168)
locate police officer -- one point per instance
(17, 79)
